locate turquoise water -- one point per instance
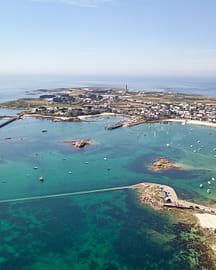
(98, 231)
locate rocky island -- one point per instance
(162, 164)
(79, 143)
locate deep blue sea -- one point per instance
(103, 231)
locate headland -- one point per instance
(164, 198)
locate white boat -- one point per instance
(41, 178)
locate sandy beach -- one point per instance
(84, 117)
(51, 117)
(207, 220)
(191, 122)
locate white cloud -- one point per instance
(80, 3)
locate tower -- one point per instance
(126, 89)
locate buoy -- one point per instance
(35, 168)
(41, 178)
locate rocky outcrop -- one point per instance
(163, 164)
(79, 143)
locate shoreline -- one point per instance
(70, 119)
(156, 196)
(84, 117)
(190, 122)
(128, 123)
(207, 221)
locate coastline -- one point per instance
(84, 117)
(199, 216)
(52, 117)
(206, 220)
(190, 122)
(66, 118)
(127, 123)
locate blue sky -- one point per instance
(108, 37)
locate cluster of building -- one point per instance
(158, 111)
(120, 101)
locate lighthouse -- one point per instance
(126, 89)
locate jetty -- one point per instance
(12, 119)
(117, 125)
(9, 121)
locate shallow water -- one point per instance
(97, 231)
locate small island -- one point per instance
(79, 143)
(162, 164)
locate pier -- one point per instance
(12, 119)
(117, 125)
(191, 206)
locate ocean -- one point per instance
(103, 231)
(14, 86)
